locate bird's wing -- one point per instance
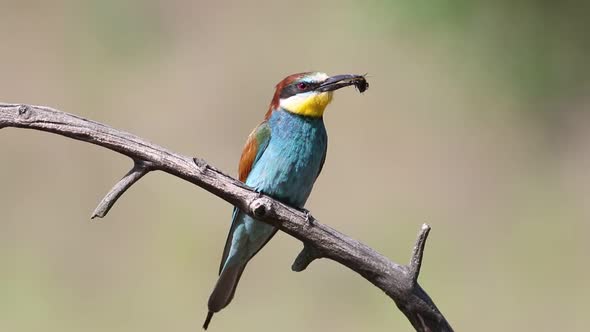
(323, 159)
(255, 145)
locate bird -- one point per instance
(282, 158)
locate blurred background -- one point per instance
(477, 122)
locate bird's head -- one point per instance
(308, 94)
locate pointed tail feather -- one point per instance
(208, 320)
(224, 290)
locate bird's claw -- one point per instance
(308, 217)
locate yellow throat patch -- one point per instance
(310, 104)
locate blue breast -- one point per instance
(292, 160)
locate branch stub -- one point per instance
(259, 207)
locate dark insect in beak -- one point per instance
(340, 81)
(361, 84)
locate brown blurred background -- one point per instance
(477, 122)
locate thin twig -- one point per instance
(140, 168)
(388, 276)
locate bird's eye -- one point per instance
(301, 86)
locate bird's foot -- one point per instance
(258, 193)
(308, 217)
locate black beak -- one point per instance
(339, 81)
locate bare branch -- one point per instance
(397, 281)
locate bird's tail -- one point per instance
(208, 320)
(224, 290)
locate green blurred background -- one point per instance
(477, 122)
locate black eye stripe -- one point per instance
(293, 89)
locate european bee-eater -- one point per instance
(282, 158)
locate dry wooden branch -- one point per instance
(399, 282)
